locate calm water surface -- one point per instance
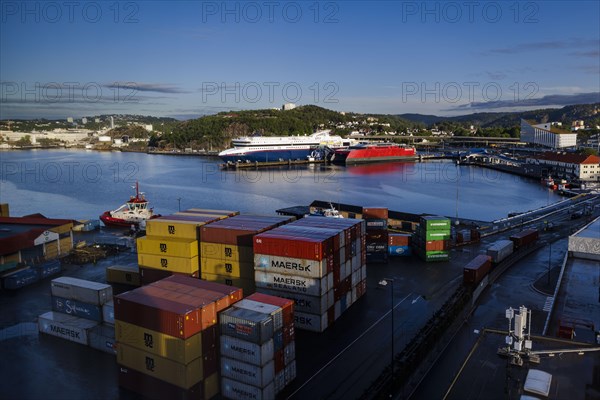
(82, 184)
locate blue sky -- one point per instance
(186, 59)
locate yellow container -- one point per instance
(233, 269)
(183, 265)
(51, 249)
(172, 228)
(248, 286)
(4, 210)
(182, 375)
(123, 274)
(226, 252)
(221, 213)
(162, 246)
(182, 351)
(66, 244)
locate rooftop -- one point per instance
(570, 158)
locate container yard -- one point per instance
(432, 239)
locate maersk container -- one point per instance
(66, 326)
(311, 322)
(250, 374)
(500, 250)
(263, 308)
(399, 251)
(20, 279)
(304, 303)
(292, 283)
(108, 312)
(49, 268)
(291, 266)
(102, 337)
(82, 290)
(77, 308)
(245, 351)
(247, 325)
(237, 390)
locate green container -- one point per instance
(437, 235)
(433, 255)
(432, 223)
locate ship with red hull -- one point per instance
(134, 212)
(373, 152)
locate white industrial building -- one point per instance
(568, 166)
(548, 135)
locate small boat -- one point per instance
(330, 212)
(134, 212)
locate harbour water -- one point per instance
(81, 184)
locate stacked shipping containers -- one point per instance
(167, 339)
(432, 238)
(172, 244)
(399, 244)
(257, 347)
(318, 262)
(377, 234)
(80, 313)
(226, 249)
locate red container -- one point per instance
(225, 295)
(342, 288)
(172, 313)
(475, 235)
(476, 269)
(150, 275)
(437, 245)
(240, 229)
(155, 389)
(279, 359)
(525, 237)
(375, 212)
(289, 334)
(287, 305)
(399, 239)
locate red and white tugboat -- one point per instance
(134, 212)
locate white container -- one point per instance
(290, 266)
(245, 351)
(66, 326)
(108, 313)
(263, 308)
(102, 337)
(289, 353)
(292, 283)
(304, 303)
(237, 390)
(246, 324)
(81, 290)
(250, 374)
(310, 322)
(363, 272)
(500, 250)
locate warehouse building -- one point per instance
(548, 135)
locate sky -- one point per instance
(185, 59)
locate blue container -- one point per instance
(399, 251)
(20, 279)
(48, 269)
(77, 308)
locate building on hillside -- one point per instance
(569, 166)
(34, 238)
(548, 135)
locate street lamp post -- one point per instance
(384, 283)
(179, 203)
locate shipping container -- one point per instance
(240, 229)
(435, 235)
(524, 238)
(476, 269)
(286, 305)
(230, 294)
(376, 247)
(246, 324)
(237, 390)
(82, 290)
(151, 275)
(377, 258)
(247, 373)
(183, 375)
(376, 224)
(238, 349)
(155, 389)
(222, 214)
(399, 251)
(233, 269)
(77, 308)
(226, 252)
(172, 313)
(247, 285)
(293, 266)
(180, 350)
(399, 239)
(172, 226)
(102, 337)
(126, 275)
(108, 312)
(292, 283)
(377, 236)
(432, 223)
(290, 373)
(275, 312)
(182, 265)
(375, 212)
(160, 246)
(303, 303)
(20, 278)
(66, 326)
(279, 381)
(500, 250)
(310, 322)
(48, 269)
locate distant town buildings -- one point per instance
(288, 106)
(569, 165)
(549, 135)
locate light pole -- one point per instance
(179, 203)
(384, 283)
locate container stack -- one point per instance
(123, 275)
(167, 337)
(377, 234)
(318, 262)
(14, 276)
(399, 244)
(258, 353)
(432, 239)
(226, 248)
(499, 250)
(172, 244)
(468, 236)
(80, 313)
